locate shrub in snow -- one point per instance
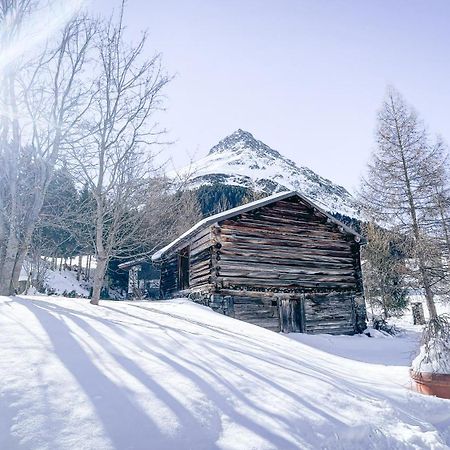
(71, 294)
(434, 355)
(373, 333)
(379, 323)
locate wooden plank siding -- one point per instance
(261, 249)
(200, 264)
(284, 266)
(169, 271)
(331, 313)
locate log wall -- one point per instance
(286, 246)
(200, 265)
(331, 313)
(288, 252)
(169, 276)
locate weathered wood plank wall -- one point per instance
(288, 248)
(200, 264)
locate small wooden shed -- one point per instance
(281, 262)
(143, 279)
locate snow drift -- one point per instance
(175, 375)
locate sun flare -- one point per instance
(35, 29)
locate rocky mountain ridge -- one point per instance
(241, 160)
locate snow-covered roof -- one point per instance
(134, 262)
(240, 210)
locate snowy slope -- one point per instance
(62, 281)
(241, 160)
(175, 375)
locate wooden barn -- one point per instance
(281, 262)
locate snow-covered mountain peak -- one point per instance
(242, 141)
(242, 160)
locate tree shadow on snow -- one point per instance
(123, 420)
(200, 422)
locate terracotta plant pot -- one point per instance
(431, 383)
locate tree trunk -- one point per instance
(100, 251)
(3, 236)
(6, 274)
(416, 230)
(80, 263)
(101, 255)
(385, 309)
(428, 292)
(88, 267)
(20, 258)
(99, 276)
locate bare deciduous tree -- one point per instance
(170, 209)
(114, 157)
(41, 104)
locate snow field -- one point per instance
(176, 375)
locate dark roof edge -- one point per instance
(132, 263)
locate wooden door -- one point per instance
(292, 315)
(183, 269)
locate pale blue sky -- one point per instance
(304, 76)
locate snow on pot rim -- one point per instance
(430, 370)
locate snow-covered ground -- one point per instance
(65, 281)
(175, 375)
(60, 282)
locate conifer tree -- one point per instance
(403, 177)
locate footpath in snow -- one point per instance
(175, 375)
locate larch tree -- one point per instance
(439, 206)
(403, 177)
